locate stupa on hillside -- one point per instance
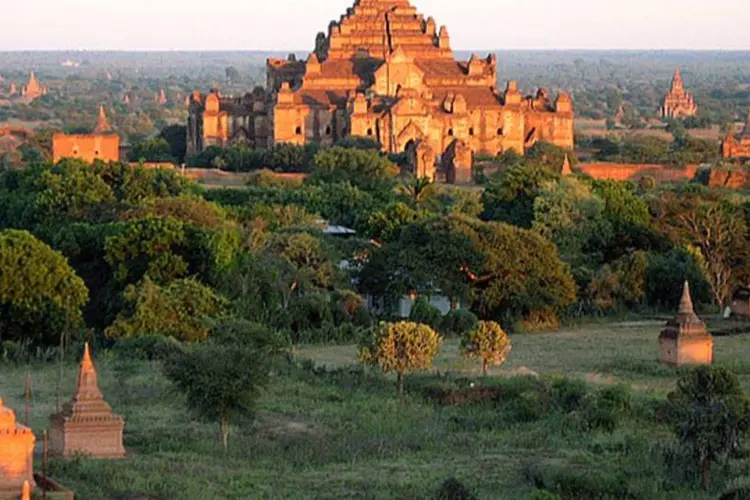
(86, 425)
(684, 340)
(16, 455)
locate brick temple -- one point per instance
(733, 147)
(16, 455)
(678, 103)
(385, 72)
(101, 144)
(86, 425)
(684, 340)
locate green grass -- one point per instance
(344, 434)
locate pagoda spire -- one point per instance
(102, 124)
(677, 80)
(686, 302)
(566, 167)
(87, 385)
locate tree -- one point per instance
(176, 137)
(152, 150)
(39, 291)
(488, 342)
(365, 169)
(417, 191)
(713, 225)
(709, 412)
(232, 75)
(510, 196)
(504, 271)
(567, 213)
(178, 310)
(220, 382)
(400, 348)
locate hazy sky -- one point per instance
(292, 24)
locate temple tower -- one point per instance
(684, 340)
(16, 455)
(102, 124)
(33, 89)
(678, 103)
(86, 425)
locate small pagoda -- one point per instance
(16, 455)
(684, 340)
(86, 425)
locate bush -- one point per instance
(453, 489)
(738, 489)
(567, 395)
(269, 178)
(607, 407)
(425, 313)
(310, 312)
(148, 348)
(247, 333)
(567, 484)
(458, 322)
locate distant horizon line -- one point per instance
(298, 51)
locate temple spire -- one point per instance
(87, 385)
(566, 167)
(686, 302)
(677, 80)
(102, 124)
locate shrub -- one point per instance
(607, 408)
(738, 489)
(425, 313)
(453, 489)
(269, 178)
(401, 347)
(458, 322)
(567, 395)
(310, 312)
(487, 342)
(148, 348)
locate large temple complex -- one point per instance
(678, 102)
(386, 72)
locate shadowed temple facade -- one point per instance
(386, 72)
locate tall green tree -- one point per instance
(40, 294)
(221, 383)
(710, 413)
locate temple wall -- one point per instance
(86, 147)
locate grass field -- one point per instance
(339, 432)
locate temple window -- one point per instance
(500, 131)
(369, 131)
(450, 132)
(328, 130)
(298, 131)
(471, 131)
(96, 153)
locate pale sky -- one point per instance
(293, 24)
